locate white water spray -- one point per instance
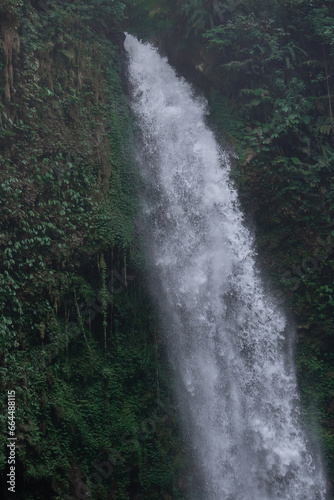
(235, 374)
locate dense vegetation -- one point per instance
(79, 344)
(267, 69)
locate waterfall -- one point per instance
(227, 339)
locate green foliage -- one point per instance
(78, 347)
(85, 361)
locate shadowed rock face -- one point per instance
(194, 63)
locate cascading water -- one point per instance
(236, 381)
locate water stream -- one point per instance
(226, 337)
